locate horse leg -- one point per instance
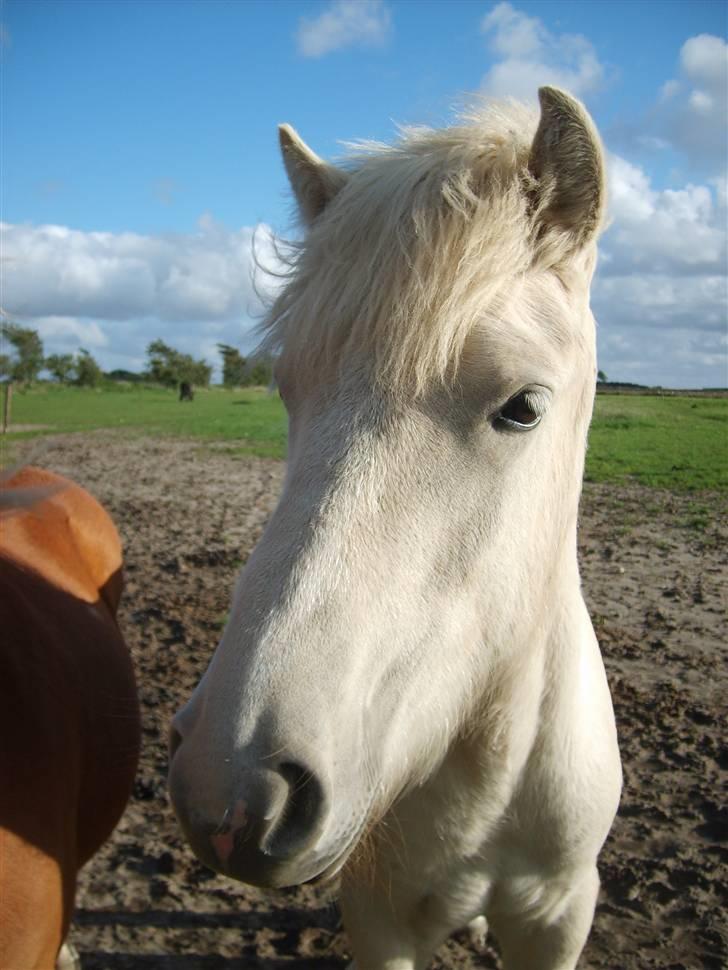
(545, 938)
(379, 940)
(400, 928)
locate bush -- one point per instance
(27, 360)
(169, 367)
(88, 372)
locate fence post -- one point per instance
(7, 398)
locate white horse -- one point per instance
(409, 664)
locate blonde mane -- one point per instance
(412, 252)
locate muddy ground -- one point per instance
(654, 568)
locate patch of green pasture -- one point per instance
(253, 418)
(671, 442)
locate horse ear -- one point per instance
(567, 162)
(314, 181)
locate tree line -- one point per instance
(165, 364)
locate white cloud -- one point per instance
(71, 333)
(679, 231)
(720, 184)
(343, 24)
(54, 270)
(704, 60)
(661, 294)
(693, 110)
(669, 89)
(531, 56)
(661, 302)
(114, 292)
(690, 113)
(680, 358)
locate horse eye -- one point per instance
(520, 412)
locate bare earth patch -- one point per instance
(654, 567)
(17, 428)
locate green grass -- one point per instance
(254, 419)
(671, 442)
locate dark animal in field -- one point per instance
(185, 392)
(69, 714)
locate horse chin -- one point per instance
(340, 863)
(282, 874)
(258, 868)
(330, 872)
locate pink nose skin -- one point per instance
(274, 818)
(223, 842)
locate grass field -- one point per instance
(669, 442)
(251, 418)
(673, 442)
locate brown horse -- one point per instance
(69, 715)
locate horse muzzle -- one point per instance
(264, 826)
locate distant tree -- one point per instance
(261, 373)
(124, 375)
(61, 366)
(88, 372)
(601, 377)
(162, 363)
(26, 362)
(6, 365)
(168, 366)
(197, 372)
(233, 366)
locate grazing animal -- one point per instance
(69, 717)
(408, 664)
(185, 392)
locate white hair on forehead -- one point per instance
(413, 251)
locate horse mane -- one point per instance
(413, 252)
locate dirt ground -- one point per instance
(654, 570)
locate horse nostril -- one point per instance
(302, 816)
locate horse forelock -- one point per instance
(420, 247)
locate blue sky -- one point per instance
(145, 134)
